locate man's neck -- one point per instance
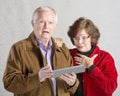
(45, 42)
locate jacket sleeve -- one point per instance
(105, 76)
(14, 80)
(71, 89)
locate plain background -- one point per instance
(15, 24)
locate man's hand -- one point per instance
(44, 73)
(70, 79)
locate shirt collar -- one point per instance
(42, 45)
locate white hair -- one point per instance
(40, 9)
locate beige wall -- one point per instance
(15, 24)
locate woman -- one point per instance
(100, 77)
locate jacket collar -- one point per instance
(32, 38)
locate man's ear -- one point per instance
(32, 22)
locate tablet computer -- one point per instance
(75, 69)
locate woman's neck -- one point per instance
(87, 53)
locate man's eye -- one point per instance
(41, 21)
(50, 22)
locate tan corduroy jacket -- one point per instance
(25, 60)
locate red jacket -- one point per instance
(102, 80)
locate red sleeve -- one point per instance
(105, 75)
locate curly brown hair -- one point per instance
(87, 24)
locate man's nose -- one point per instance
(46, 25)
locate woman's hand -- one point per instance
(58, 41)
(82, 59)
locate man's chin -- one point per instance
(46, 37)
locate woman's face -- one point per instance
(82, 41)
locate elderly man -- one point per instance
(31, 61)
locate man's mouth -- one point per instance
(45, 32)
